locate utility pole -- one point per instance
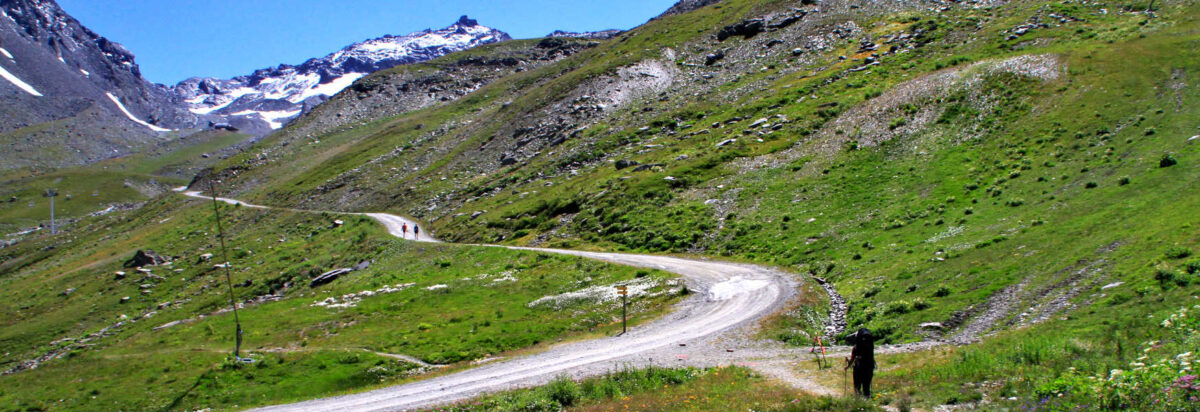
(51, 193)
(212, 189)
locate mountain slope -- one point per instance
(864, 143)
(274, 96)
(1015, 177)
(68, 88)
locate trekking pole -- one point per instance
(845, 384)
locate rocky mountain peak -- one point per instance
(271, 97)
(467, 21)
(684, 6)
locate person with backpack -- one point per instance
(862, 358)
(416, 232)
(404, 230)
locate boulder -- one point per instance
(362, 265)
(712, 58)
(645, 167)
(145, 257)
(745, 28)
(327, 277)
(932, 325)
(623, 164)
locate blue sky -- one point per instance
(177, 39)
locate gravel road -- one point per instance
(710, 327)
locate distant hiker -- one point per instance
(862, 358)
(404, 229)
(416, 231)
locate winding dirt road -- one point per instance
(708, 328)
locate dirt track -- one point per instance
(708, 328)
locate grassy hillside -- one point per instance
(120, 182)
(1017, 177)
(986, 169)
(67, 310)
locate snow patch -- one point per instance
(85, 72)
(117, 101)
(328, 89)
(18, 82)
(276, 118)
(736, 286)
(6, 53)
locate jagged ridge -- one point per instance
(277, 95)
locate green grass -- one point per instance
(1050, 188)
(302, 347)
(688, 389)
(122, 181)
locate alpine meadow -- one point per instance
(767, 205)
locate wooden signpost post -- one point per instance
(623, 291)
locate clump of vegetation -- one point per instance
(1178, 252)
(1167, 278)
(1167, 160)
(1161, 379)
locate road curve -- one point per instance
(726, 298)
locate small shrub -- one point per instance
(1178, 252)
(1118, 299)
(1091, 185)
(564, 391)
(871, 292)
(1167, 278)
(349, 359)
(1124, 180)
(1167, 160)
(899, 307)
(921, 304)
(1192, 267)
(941, 292)
(1016, 202)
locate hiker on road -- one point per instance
(404, 229)
(862, 358)
(416, 231)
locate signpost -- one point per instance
(624, 292)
